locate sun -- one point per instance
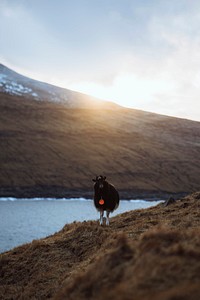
(127, 90)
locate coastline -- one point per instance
(151, 253)
(63, 192)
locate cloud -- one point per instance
(140, 53)
(162, 74)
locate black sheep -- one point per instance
(106, 197)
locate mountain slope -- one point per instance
(48, 149)
(16, 84)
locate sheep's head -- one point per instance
(99, 181)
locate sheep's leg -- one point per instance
(107, 218)
(101, 217)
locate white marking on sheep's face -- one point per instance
(99, 181)
(101, 185)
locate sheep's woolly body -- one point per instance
(106, 198)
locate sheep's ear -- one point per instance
(104, 178)
(94, 180)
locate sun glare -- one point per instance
(127, 90)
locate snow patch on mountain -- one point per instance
(13, 83)
(9, 86)
(16, 84)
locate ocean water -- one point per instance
(24, 220)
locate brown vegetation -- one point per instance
(144, 254)
(50, 150)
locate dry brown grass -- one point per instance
(145, 254)
(47, 149)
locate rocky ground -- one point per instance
(144, 254)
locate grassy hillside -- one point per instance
(149, 254)
(47, 149)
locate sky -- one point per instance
(142, 54)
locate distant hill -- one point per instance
(54, 148)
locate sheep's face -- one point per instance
(99, 181)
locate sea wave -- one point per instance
(8, 199)
(72, 199)
(41, 199)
